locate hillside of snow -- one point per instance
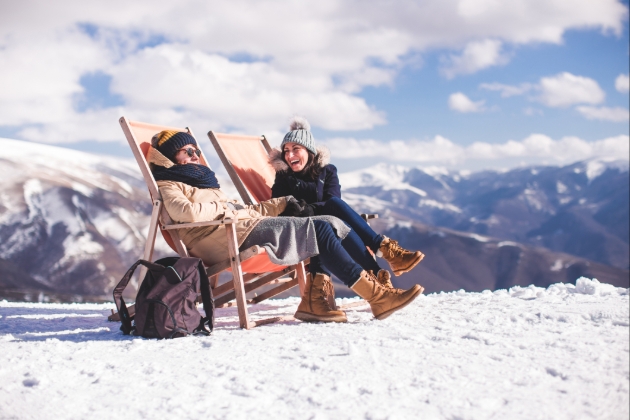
(524, 353)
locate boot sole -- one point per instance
(409, 267)
(391, 311)
(307, 317)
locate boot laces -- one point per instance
(395, 250)
(323, 293)
(388, 287)
(328, 290)
(377, 284)
(377, 279)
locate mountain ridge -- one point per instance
(564, 208)
(71, 222)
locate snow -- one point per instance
(367, 203)
(561, 188)
(596, 167)
(557, 265)
(508, 243)
(438, 205)
(79, 248)
(523, 353)
(476, 237)
(388, 177)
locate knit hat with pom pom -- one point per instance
(168, 142)
(301, 134)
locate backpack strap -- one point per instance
(125, 319)
(207, 323)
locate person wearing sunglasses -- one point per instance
(191, 193)
(187, 154)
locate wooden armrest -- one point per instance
(225, 221)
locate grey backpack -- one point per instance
(166, 301)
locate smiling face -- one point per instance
(295, 155)
(182, 157)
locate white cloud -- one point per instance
(461, 103)
(534, 149)
(567, 89)
(561, 90)
(508, 90)
(622, 83)
(603, 113)
(240, 65)
(476, 56)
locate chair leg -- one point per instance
(150, 243)
(214, 281)
(300, 273)
(237, 276)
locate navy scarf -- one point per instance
(199, 176)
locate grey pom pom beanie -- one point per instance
(301, 134)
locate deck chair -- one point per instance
(246, 160)
(251, 268)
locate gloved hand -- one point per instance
(307, 209)
(293, 208)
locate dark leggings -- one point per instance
(355, 243)
(341, 256)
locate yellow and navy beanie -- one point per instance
(168, 142)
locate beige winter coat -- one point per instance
(186, 204)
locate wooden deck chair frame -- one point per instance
(139, 135)
(253, 181)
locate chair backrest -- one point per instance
(246, 159)
(139, 137)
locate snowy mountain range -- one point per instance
(71, 223)
(579, 209)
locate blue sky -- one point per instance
(468, 84)
(417, 105)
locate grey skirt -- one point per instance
(289, 240)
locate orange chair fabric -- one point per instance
(250, 161)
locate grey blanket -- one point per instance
(289, 240)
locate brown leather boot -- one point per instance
(314, 306)
(385, 279)
(383, 302)
(400, 260)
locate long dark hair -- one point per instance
(313, 166)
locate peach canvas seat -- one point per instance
(246, 160)
(251, 269)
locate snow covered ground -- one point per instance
(526, 353)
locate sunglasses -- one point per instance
(190, 151)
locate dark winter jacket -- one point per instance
(314, 192)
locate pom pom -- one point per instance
(299, 123)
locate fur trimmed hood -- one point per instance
(155, 157)
(278, 163)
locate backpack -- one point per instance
(166, 300)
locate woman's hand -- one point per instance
(307, 210)
(293, 208)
